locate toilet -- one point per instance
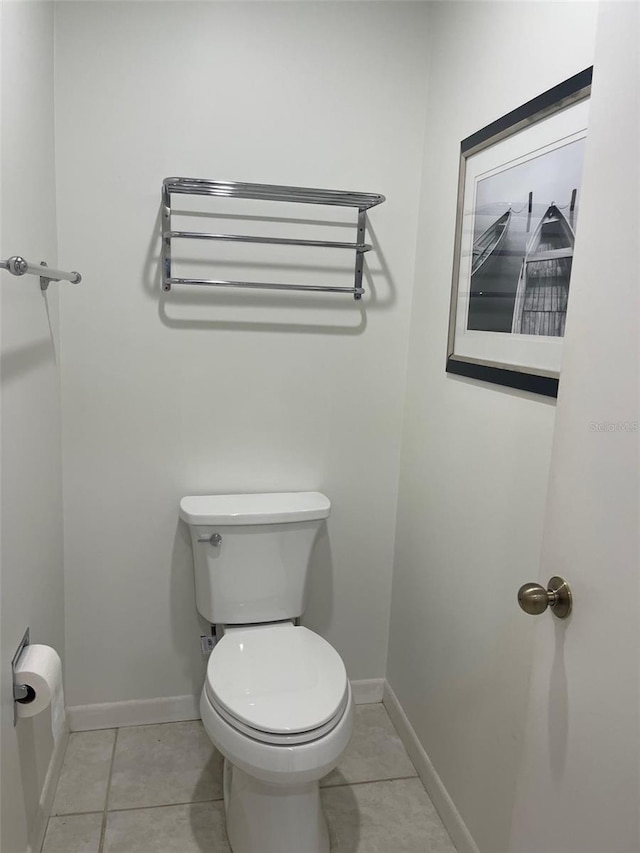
(276, 701)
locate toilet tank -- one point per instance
(251, 553)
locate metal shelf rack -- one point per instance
(265, 192)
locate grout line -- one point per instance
(141, 808)
(44, 837)
(149, 725)
(166, 805)
(76, 814)
(105, 812)
(368, 782)
(220, 799)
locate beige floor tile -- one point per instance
(375, 752)
(384, 817)
(73, 834)
(82, 786)
(197, 828)
(164, 764)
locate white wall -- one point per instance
(32, 571)
(475, 457)
(218, 392)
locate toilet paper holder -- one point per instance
(22, 693)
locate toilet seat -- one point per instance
(278, 739)
(290, 765)
(278, 684)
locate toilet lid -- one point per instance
(281, 678)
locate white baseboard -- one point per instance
(444, 805)
(39, 826)
(174, 709)
(137, 712)
(367, 691)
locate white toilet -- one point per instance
(276, 702)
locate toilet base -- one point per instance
(266, 818)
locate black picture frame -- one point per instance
(530, 378)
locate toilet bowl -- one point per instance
(276, 700)
(277, 704)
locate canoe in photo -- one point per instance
(543, 286)
(489, 241)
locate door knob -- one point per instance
(534, 599)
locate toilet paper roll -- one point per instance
(40, 668)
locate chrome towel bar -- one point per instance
(18, 266)
(272, 192)
(264, 285)
(282, 241)
(264, 192)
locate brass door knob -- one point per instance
(534, 599)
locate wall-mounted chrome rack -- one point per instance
(18, 266)
(265, 192)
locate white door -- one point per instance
(578, 788)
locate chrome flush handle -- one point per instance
(215, 539)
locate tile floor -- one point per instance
(157, 789)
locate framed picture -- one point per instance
(518, 202)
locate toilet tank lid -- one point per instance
(271, 508)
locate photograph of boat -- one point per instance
(543, 286)
(489, 241)
(519, 199)
(519, 214)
